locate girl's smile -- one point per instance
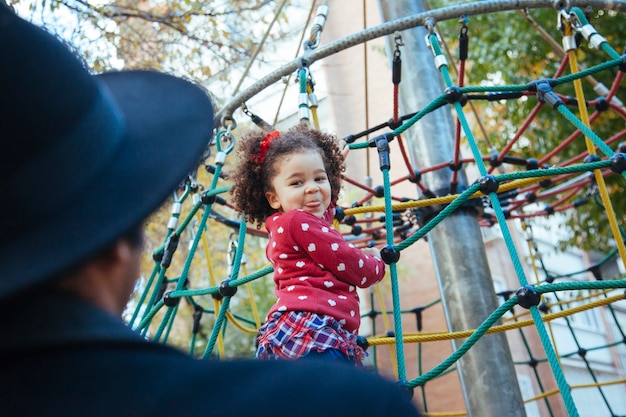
(301, 183)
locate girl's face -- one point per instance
(301, 183)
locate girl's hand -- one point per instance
(371, 252)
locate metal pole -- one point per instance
(487, 374)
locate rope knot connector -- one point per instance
(389, 254)
(488, 184)
(527, 296)
(454, 95)
(618, 162)
(170, 301)
(226, 290)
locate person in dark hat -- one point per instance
(84, 159)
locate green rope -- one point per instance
(480, 331)
(215, 289)
(395, 292)
(217, 327)
(144, 294)
(585, 130)
(583, 21)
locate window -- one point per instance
(526, 388)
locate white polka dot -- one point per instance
(364, 280)
(296, 248)
(275, 218)
(334, 247)
(274, 244)
(280, 270)
(342, 297)
(352, 313)
(311, 247)
(332, 302)
(361, 263)
(302, 297)
(351, 245)
(305, 226)
(282, 308)
(291, 287)
(283, 256)
(377, 269)
(321, 266)
(351, 288)
(280, 229)
(341, 267)
(325, 229)
(328, 284)
(303, 278)
(343, 322)
(300, 264)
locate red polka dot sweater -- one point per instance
(315, 269)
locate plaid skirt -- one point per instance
(294, 334)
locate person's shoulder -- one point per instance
(157, 380)
(277, 388)
(351, 391)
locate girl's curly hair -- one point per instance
(251, 179)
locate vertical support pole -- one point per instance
(487, 374)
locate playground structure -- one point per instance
(407, 222)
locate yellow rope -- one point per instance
(591, 295)
(599, 384)
(387, 326)
(441, 200)
(580, 386)
(255, 313)
(439, 336)
(543, 395)
(216, 304)
(313, 109)
(239, 325)
(584, 116)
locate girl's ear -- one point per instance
(272, 199)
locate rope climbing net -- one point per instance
(498, 195)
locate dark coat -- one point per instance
(63, 357)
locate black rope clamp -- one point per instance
(170, 301)
(170, 247)
(622, 65)
(455, 95)
(197, 316)
(418, 317)
(389, 254)
(527, 296)
(382, 146)
(256, 119)
(545, 94)
(488, 184)
(226, 290)
(463, 43)
(397, 62)
(618, 162)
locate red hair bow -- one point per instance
(265, 144)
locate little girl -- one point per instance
(291, 180)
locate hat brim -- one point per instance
(169, 124)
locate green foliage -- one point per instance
(204, 41)
(515, 48)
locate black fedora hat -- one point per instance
(83, 158)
